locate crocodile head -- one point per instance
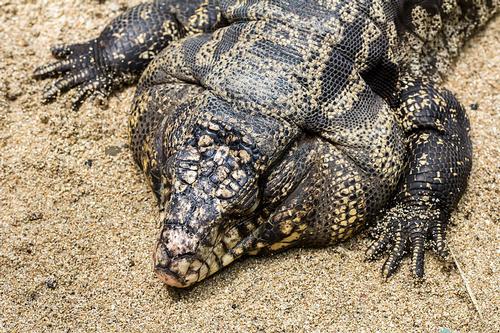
(212, 204)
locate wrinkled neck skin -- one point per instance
(214, 184)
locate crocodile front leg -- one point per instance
(435, 178)
(124, 48)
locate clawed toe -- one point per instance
(60, 51)
(64, 84)
(377, 249)
(396, 256)
(417, 257)
(96, 87)
(439, 244)
(52, 70)
(400, 233)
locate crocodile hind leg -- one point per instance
(124, 48)
(439, 163)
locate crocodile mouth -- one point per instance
(184, 268)
(170, 278)
(179, 271)
(181, 262)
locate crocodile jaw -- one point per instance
(181, 259)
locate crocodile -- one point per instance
(262, 125)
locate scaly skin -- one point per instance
(262, 125)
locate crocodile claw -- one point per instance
(400, 233)
(77, 67)
(97, 87)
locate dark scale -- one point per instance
(262, 125)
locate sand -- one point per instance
(78, 223)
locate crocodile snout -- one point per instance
(175, 261)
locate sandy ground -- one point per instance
(77, 221)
